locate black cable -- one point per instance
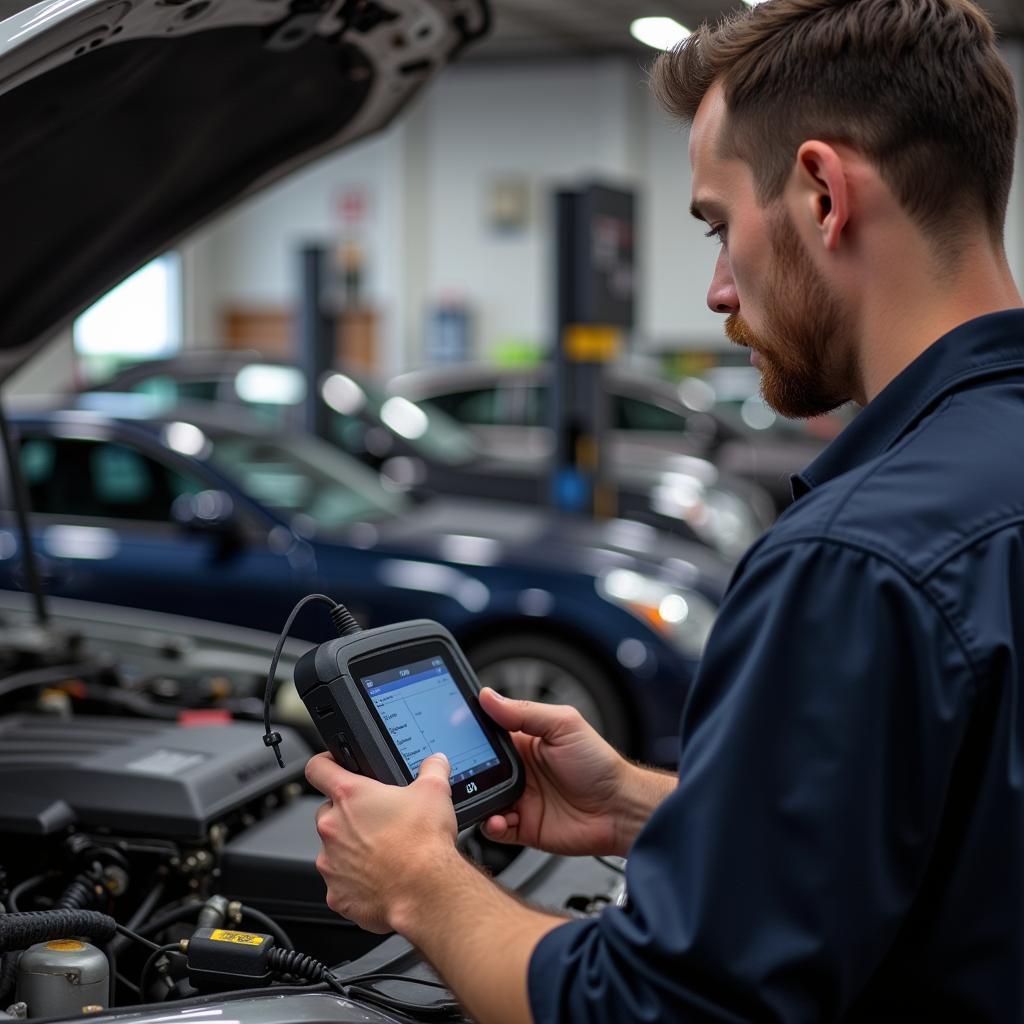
(21, 888)
(135, 937)
(300, 965)
(158, 951)
(345, 626)
(142, 911)
(50, 676)
(268, 924)
(619, 869)
(130, 985)
(171, 915)
(443, 1010)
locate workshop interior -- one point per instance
(350, 350)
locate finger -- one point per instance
(322, 772)
(526, 715)
(435, 767)
(502, 828)
(325, 808)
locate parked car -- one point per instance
(207, 512)
(733, 393)
(135, 781)
(508, 410)
(424, 449)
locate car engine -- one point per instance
(150, 845)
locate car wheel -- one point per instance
(531, 667)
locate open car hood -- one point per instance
(127, 123)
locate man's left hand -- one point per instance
(378, 838)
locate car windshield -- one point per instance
(314, 486)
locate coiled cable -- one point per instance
(300, 965)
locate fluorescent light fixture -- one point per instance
(753, 3)
(661, 33)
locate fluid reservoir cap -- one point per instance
(66, 946)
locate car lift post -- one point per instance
(315, 333)
(593, 310)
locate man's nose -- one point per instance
(722, 297)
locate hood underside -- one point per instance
(126, 125)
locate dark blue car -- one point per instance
(196, 512)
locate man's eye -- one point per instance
(717, 232)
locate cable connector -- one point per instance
(343, 622)
(274, 739)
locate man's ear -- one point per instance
(823, 198)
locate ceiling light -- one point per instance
(661, 33)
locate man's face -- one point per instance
(778, 303)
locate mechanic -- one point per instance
(845, 840)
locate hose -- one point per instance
(21, 930)
(7, 969)
(81, 892)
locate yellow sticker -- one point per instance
(241, 938)
(66, 945)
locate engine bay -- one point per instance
(151, 849)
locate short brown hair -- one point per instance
(917, 86)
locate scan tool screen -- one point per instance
(424, 712)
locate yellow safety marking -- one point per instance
(241, 938)
(591, 343)
(66, 945)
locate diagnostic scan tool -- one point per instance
(385, 699)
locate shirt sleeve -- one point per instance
(818, 747)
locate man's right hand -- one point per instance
(581, 797)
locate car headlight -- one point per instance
(718, 518)
(682, 616)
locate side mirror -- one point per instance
(210, 512)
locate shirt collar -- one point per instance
(984, 347)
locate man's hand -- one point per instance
(581, 797)
(377, 838)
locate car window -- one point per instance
(72, 477)
(166, 387)
(635, 414)
(535, 406)
(304, 478)
(480, 405)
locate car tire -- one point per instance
(528, 666)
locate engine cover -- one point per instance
(134, 776)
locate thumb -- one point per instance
(435, 767)
(542, 720)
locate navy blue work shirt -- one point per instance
(846, 842)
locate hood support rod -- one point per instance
(19, 493)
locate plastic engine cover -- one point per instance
(134, 776)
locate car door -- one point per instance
(105, 529)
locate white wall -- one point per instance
(427, 237)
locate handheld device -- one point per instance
(385, 699)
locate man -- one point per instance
(846, 837)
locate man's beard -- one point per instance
(805, 347)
